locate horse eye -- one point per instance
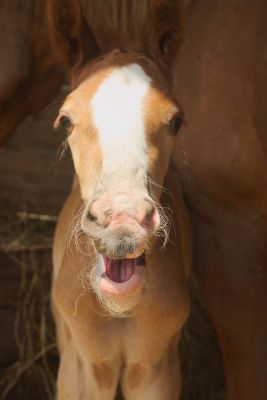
(176, 123)
(65, 122)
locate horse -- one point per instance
(119, 292)
(30, 74)
(221, 78)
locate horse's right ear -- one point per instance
(73, 38)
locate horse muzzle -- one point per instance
(121, 226)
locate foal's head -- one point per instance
(121, 122)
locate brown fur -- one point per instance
(29, 73)
(137, 25)
(131, 339)
(221, 80)
(151, 27)
(99, 351)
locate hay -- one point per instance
(28, 244)
(27, 239)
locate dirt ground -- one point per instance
(28, 352)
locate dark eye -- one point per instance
(176, 123)
(65, 123)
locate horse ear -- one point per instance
(72, 37)
(168, 22)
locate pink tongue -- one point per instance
(119, 270)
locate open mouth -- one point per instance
(122, 276)
(123, 269)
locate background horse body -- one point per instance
(221, 79)
(121, 121)
(30, 75)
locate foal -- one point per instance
(119, 287)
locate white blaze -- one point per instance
(118, 116)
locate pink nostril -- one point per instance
(98, 216)
(151, 218)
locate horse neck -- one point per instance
(34, 9)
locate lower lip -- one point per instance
(132, 285)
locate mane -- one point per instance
(129, 23)
(117, 14)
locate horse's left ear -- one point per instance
(168, 16)
(72, 37)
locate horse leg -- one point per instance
(231, 268)
(79, 380)
(157, 379)
(85, 373)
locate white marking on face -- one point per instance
(118, 116)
